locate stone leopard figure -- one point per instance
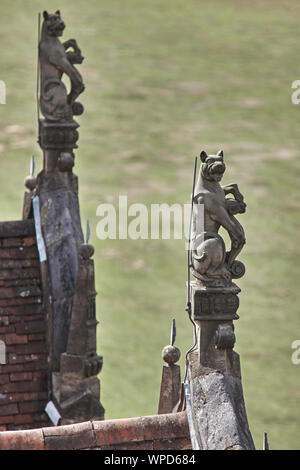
(211, 264)
(56, 104)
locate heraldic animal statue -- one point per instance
(55, 102)
(211, 264)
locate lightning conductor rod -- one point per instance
(189, 305)
(38, 67)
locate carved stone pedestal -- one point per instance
(213, 310)
(218, 409)
(57, 138)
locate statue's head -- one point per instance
(213, 166)
(53, 23)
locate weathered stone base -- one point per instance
(77, 399)
(218, 409)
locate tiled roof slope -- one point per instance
(23, 378)
(157, 432)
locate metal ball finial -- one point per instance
(171, 353)
(86, 250)
(31, 181)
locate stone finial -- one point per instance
(58, 130)
(212, 265)
(30, 184)
(57, 105)
(214, 372)
(86, 250)
(170, 391)
(171, 353)
(31, 181)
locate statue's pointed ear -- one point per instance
(45, 15)
(220, 153)
(57, 12)
(203, 156)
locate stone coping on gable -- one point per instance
(156, 432)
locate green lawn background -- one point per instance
(164, 80)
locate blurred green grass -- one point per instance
(164, 80)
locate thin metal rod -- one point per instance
(190, 232)
(173, 333)
(88, 231)
(32, 165)
(38, 68)
(189, 306)
(265, 442)
(193, 436)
